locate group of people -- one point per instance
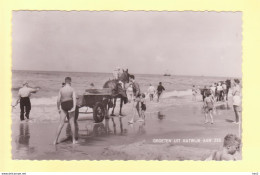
(135, 96)
(66, 103)
(151, 92)
(219, 92)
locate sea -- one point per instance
(175, 116)
(50, 82)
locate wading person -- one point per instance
(236, 93)
(130, 93)
(228, 83)
(224, 86)
(160, 90)
(136, 98)
(66, 104)
(194, 93)
(208, 106)
(24, 99)
(219, 92)
(151, 92)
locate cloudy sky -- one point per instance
(185, 43)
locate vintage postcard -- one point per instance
(134, 85)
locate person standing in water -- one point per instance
(136, 98)
(66, 104)
(160, 90)
(24, 99)
(194, 93)
(151, 92)
(236, 93)
(208, 106)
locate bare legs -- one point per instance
(236, 113)
(206, 116)
(63, 115)
(135, 110)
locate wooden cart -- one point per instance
(98, 100)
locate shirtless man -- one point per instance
(67, 102)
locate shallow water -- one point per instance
(182, 124)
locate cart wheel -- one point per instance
(98, 112)
(76, 113)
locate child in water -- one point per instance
(208, 106)
(230, 151)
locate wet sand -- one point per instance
(174, 129)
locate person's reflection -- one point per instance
(121, 126)
(24, 134)
(160, 115)
(141, 129)
(23, 146)
(107, 126)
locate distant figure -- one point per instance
(130, 93)
(203, 92)
(63, 84)
(116, 73)
(160, 90)
(228, 83)
(66, 104)
(224, 86)
(136, 101)
(236, 93)
(24, 99)
(194, 93)
(208, 106)
(219, 92)
(143, 106)
(213, 89)
(151, 92)
(92, 86)
(230, 151)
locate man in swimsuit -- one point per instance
(24, 98)
(66, 105)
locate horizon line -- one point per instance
(133, 73)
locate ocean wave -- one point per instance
(53, 100)
(177, 93)
(42, 101)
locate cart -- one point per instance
(98, 100)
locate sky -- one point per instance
(181, 43)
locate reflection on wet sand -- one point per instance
(69, 133)
(23, 141)
(160, 115)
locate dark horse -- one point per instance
(117, 90)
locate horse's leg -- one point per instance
(114, 105)
(114, 125)
(121, 105)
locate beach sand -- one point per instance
(174, 129)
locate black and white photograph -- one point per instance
(126, 85)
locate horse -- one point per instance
(117, 90)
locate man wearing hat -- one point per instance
(24, 98)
